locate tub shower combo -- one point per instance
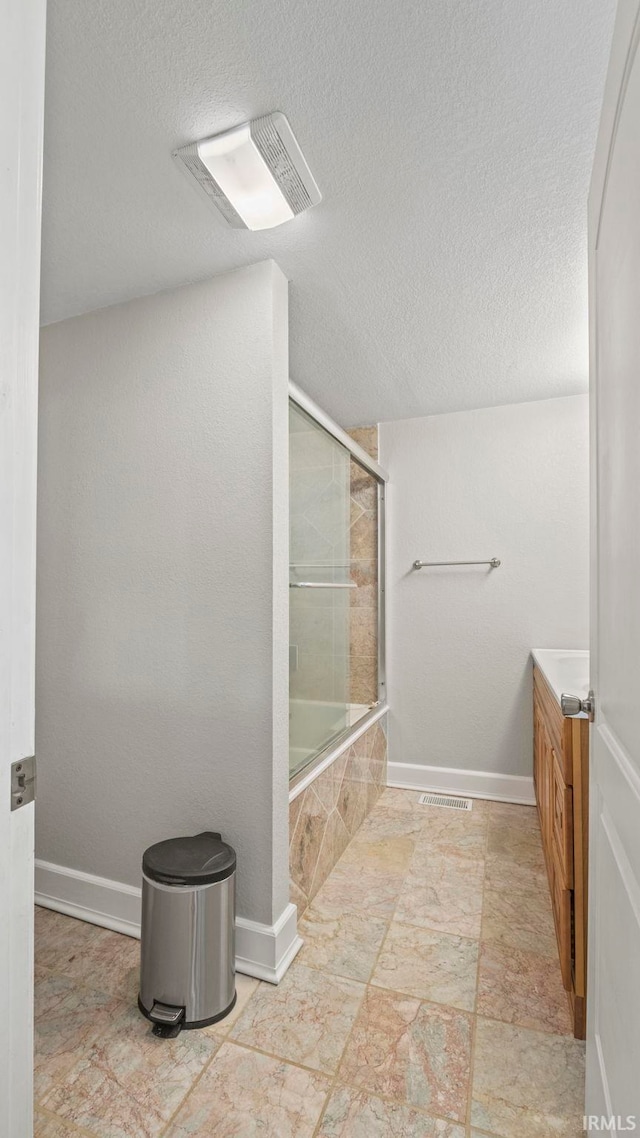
(337, 711)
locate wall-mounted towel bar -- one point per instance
(322, 585)
(493, 562)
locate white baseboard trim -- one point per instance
(97, 900)
(262, 951)
(266, 951)
(470, 784)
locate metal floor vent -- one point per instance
(447, 801)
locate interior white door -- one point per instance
(613, 1042)
(22, 47)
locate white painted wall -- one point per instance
(162, 656)
(510, 482)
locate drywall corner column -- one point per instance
(280, 575)
(161, 702)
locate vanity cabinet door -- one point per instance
(562, 826)
(537, 752)
(560, 772)
(544, 788)
(558, 728)
(561, 904)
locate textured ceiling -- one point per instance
(452, 140)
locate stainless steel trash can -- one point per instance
(187, 965)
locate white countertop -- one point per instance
(566, 670)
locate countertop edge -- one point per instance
(538, 657)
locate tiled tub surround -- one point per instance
(425, 1003)
(326, 816)
(363, 553)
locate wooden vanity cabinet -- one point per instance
(561, 777)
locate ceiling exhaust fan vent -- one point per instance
(273, 148)
(256, 173)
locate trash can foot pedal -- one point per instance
(167, 1020)
(165, 1031)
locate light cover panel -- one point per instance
(255, 174)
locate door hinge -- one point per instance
(23, 782)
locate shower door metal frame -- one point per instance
(325, 421)
(336, 746)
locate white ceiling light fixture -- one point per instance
(255, 174)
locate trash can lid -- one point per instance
(198, 860)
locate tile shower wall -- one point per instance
(325, 817)
(363, 681)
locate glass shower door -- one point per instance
(320, 586)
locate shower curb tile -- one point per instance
(295, 809)
(334, 832)
(346, 792)
(307, 840)
(298, 898)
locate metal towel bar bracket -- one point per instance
(494, 562)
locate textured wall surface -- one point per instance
(325, 817)
(162, 600)
(446, 265)
(510, 482)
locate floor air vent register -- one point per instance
(446, 801)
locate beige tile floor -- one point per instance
(426, 1003)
